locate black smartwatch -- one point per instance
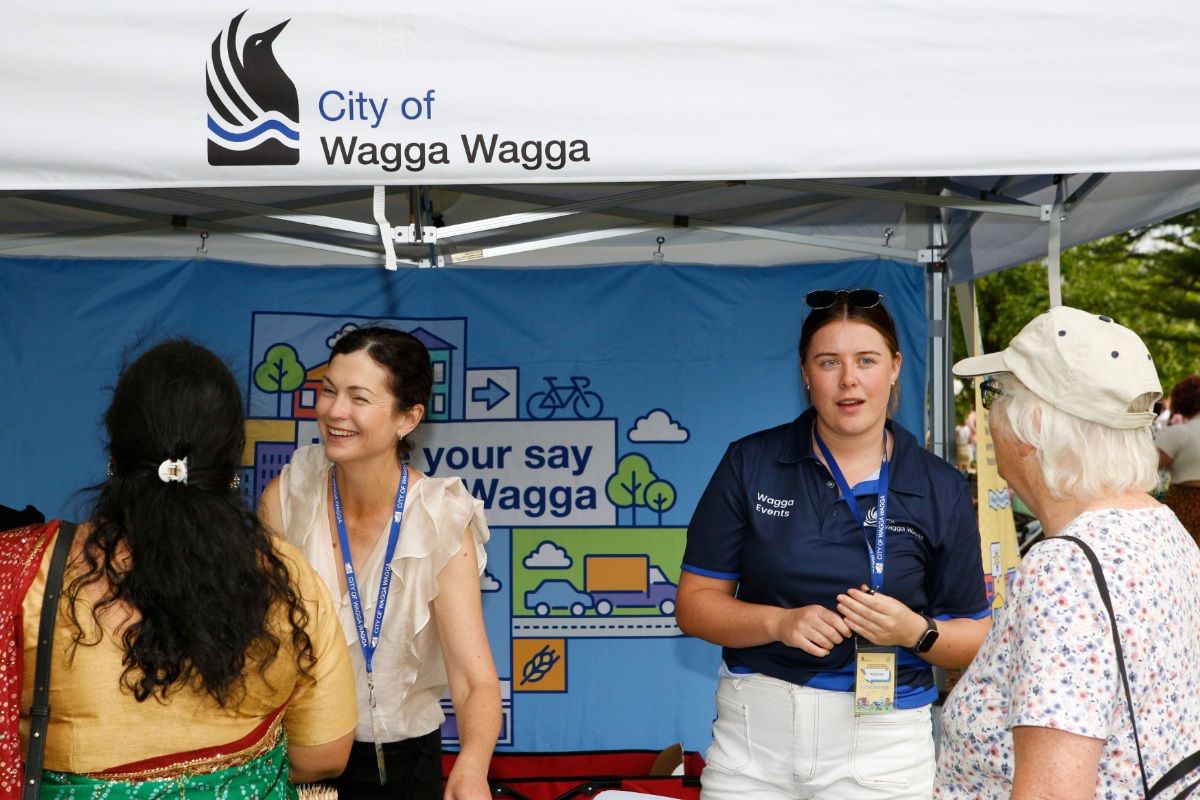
(925, 643)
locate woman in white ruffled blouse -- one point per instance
(352, 504)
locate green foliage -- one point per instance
(626, 488)
(280, 371)
(1147, 279)
(660, 497)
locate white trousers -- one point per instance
(773, 740)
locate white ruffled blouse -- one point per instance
(410, 675)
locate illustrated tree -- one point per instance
(626, 488)
(660, 497)
(279, 372)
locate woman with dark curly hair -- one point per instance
(194, 653)
(1179, 453)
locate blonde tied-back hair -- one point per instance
(1079, 458)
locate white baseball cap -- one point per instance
(1081, 363)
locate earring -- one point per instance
(109, 470)
(236, 482)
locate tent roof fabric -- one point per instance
(977, 224)
(515, 134)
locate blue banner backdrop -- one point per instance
(586, 407)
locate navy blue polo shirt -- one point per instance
(773, 520)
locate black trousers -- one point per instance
(414, 770)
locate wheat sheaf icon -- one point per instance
(253, 108)
(539, 665)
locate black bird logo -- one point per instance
(254, 111)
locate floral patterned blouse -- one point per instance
(1048, 660)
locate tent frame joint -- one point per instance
(411, 234)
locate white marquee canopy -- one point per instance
(774, 132)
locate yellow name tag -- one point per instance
(874, 679)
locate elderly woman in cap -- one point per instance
(1061, 702)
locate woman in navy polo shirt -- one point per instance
(829, 612)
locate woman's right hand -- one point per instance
(814, 629)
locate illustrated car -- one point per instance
(557, 595)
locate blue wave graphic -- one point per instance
(269, 125)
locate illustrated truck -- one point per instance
(627, 582)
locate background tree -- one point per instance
(1147, 279)
(279, 372)
(626, 488)
(660, 497)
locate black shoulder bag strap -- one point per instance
(1187, 764)
(39, 713)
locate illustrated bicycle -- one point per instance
(585, 404)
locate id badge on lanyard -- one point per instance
(874, 665)
(368, 644)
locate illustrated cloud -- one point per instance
(488, 582)
(548, 555)
(657, 426)
(332, 340)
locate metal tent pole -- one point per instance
(941, 390)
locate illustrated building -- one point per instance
(441, 358)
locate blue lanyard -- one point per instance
(876, 553)
(385, 581)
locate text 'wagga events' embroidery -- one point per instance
(772, 506)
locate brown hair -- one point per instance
(1185, 397)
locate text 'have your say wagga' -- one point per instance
(531, 497)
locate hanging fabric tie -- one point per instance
(385, 228)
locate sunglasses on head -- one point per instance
(859, 298)
(989, 390)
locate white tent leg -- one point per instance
(601, 205)
(833, 243)
(834, 189)
(546, 243)
(966, 313)
(204, 200)
(1053, 266)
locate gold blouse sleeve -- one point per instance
(322, 707)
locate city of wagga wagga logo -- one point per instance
(253, 108)
(363, 113)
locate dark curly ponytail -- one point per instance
(192, 560)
